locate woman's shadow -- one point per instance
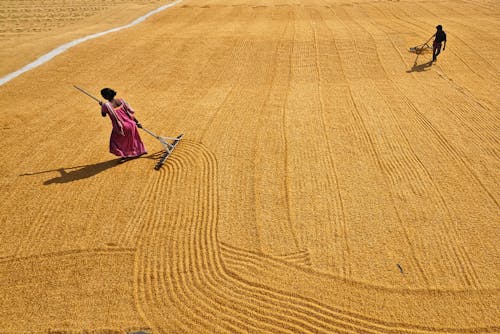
(80, 172)
(70, 174)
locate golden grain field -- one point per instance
(329, 180)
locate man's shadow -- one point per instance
(419, 67)
(70, 174)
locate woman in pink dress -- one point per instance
(125, 141)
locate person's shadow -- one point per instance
(70, 174)
(419, 67)
(80, 172)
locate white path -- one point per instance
(57, 51)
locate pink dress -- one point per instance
(125, 141)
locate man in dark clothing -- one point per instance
(436, 45)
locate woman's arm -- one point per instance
(131, 113)
(128, 107)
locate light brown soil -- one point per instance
(329, 181)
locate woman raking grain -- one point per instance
(125, 140)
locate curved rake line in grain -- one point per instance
(300, 258)
(233, 253)
(185, 270)
(257, 259)
(263, 321)
(175, 286)
(57, 51)
(144, 298)
(461, 259)
(232, 256)
(273, 305)
(155, 275)
(264, 261)
(184, 257)
(199, 256)
(242, 266)
(223, 301)
(391, 327)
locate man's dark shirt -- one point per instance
(440, 36)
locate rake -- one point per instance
(168, 147)
(421, 47)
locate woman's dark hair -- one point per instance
(439, 27)
(108, 93)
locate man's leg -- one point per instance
(436, 50)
